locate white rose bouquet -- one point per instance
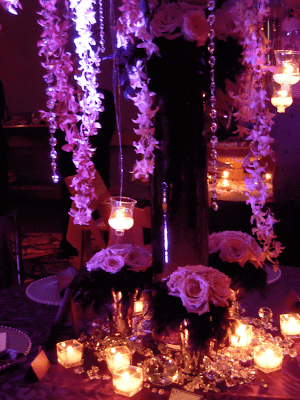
(238, 255)
(197, 293)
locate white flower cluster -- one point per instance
(236, 247)
(197, 286)
(114, 258)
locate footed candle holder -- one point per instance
(290, 325)
(128, 381)
(121, 214)
(69, 353)
(268, 357)
(117, 357)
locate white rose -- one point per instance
(234, 249)
(194, 294)
(219, 286)
(195, 26)
(175, 281)
(166, 21)
(138, 259)
(112, 264)
(97, 259)
(214, 241)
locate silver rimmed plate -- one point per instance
(45, 291)
(15, 340)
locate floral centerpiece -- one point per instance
(117, 269)
(196, 294)
(238, 255)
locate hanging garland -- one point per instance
(11, 5)
(90, 106)
(253, 111)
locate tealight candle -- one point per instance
(69, 353)
(120, 221)
(268, 357)
(128, 381)
(117, 357)
(290, 325)
(242, 336)
(138, 307)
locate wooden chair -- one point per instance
(79, 236)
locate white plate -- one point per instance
(15, 340)
(45, 291)
(272, 276)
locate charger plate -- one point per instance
(45, 291)
(15, 340)
(272, 276)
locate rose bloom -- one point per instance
(112, 264)
(214, 241)
(97, 259)
(195, 26)
(166, 21)
(219, 286)
(176, 280)
(194, 294)
(138, 259)
(234, 249)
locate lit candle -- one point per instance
(128, 381)
(242, 336)
(268, 357)
(288, 77)
(117, 358)
(119, 221)
(69, 353)
(290, 325)
(138, 306)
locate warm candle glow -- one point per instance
(117, 358)
(242, 336)
(120, 221)
(268, 357)
(128, 381)
(138, 306)
(289, 76)
(225, 174)
(69, 353)
(290, 325)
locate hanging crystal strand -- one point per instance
(213, 112)
(101, 28)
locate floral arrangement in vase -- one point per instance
(199, 296)
(238, 255)
(123, 269)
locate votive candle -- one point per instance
(117, 357)
(242, 336)
(290, 325)
(69, 353)
(128, 381)
(268, 357)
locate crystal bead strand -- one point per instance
(101, 28)
(213, 112)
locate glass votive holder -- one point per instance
(128, 381)
(117, 357)
(290, 325)
(121, 214)
(268, 357)
(69, 353)
(242, 337)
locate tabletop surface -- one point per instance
(35, 320)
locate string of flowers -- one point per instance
(255, 120)
(131, 25)
(90, 106)
(11, 5)
(61, 104)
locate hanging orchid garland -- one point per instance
(253, 110)
(11, 5)
(131, 25)
(90, 105)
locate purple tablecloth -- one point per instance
(35, 320)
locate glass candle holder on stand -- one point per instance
(121, 214)
(287, 67)
(281, 97)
